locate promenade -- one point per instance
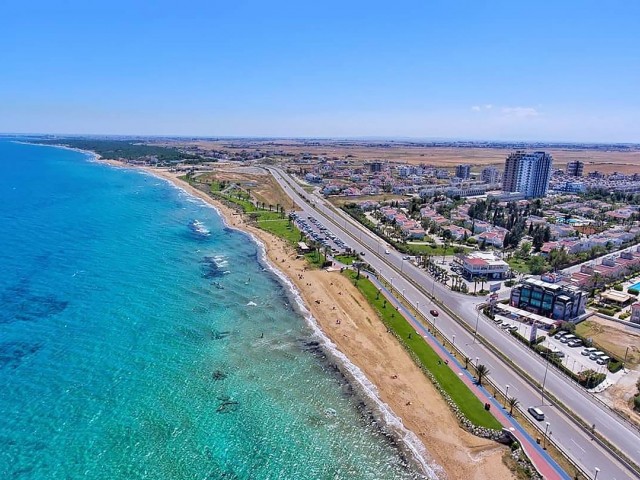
(541, 460)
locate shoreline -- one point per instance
(415, 414)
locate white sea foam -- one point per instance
(252, 304)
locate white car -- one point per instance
(386, 252)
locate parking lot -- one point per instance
(317, 232)
(572, 356)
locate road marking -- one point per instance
(577, 445)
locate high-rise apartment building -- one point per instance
(375, 167)
(527, 173)
(575, 169)
(463, 171)
(490, 175)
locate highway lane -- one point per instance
(574, 440)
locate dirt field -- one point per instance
(406, 152)
(613, 337)
(263, 186)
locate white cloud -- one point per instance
(520, 112)
(480, 108)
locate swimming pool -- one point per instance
(635, 286)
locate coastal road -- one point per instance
(416, 286)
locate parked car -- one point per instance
(505, 325)
(559, 335)
(603, 360)
(575, 343)
(596, 355)
(567, 338)
(434, 312)
(588, 351)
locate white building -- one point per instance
(527, 173)
(482, 264)
(490, 175)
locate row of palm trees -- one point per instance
(457, 283)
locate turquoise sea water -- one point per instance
(121, 359)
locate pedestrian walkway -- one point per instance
(540, 459)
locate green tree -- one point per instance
(513, 403)
(482, 371)
(537, 264)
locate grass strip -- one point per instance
(426, 357)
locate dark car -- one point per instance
(435, 313)
(362, 253)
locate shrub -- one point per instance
(614, 366)
(636, 403)
(540, 339)
(591, 379)
(607, 311)
(509, 283)
(617, 287)
(633, 291)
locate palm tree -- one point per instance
(482, 371)
(482, 280)
(475, 285)
(513, 403)
(595, 282)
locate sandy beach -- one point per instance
(363, 338)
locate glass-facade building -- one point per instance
(551, 300)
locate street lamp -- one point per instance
(403, 292)
(418, 307)
(596, 475)
(506, 395)
(391, 284)
(624, 363)
(544, 380)
(475, 332)
(544, 445)
(401, 264)
(453, 343)
(477, 360)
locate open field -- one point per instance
(607, 161)
(614, 337)
(262, 185)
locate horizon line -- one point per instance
(326, 138)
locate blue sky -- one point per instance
(535, 70)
